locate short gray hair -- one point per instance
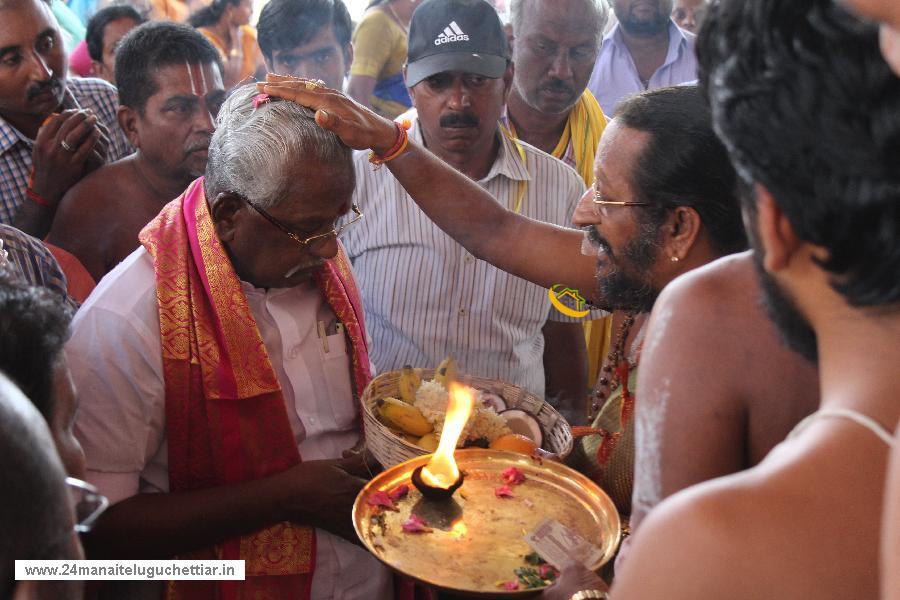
(600, 10)
(255, 148)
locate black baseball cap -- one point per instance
(455, 35)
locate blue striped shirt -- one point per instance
(425, 296)
(16, 149)
(33, 262)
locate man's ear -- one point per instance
(226, 210)
(777, 236)
(128, 119)
(682, 230)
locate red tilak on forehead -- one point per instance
(199, 86)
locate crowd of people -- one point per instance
(214, 235)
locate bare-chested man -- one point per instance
(821, 206)
(170, 89)
(888, 15)
(718, 388)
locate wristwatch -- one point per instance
(585, 594)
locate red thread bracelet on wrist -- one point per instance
(37, 198)
(399, 146)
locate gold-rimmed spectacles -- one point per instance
(602, 204)
(313, 239)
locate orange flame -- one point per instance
(441, 471)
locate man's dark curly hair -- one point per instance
(34, 326)
(807, 107)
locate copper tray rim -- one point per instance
(360, 510)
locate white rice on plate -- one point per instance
(432, 399)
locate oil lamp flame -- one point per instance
(441, 471)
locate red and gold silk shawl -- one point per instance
(226, 420)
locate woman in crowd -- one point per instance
(226, 24)
(379, 51)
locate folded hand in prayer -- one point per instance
(68, 146)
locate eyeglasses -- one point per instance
(314, 239)
(89, 503)
(603, 204)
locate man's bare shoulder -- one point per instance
(722, 289)
(96, 194)
(89, 211)
(693, 545)
(706, 311)
(698, 317)
(103, 187)
(782, 529)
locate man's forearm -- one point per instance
(319, 493)
(542, 253)
(163, 525)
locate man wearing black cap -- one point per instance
(425, 295)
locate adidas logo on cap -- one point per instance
(451, 33)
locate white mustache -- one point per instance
(302, 266)
(294, 271)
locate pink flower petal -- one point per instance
(399, 493)
(503, 492)
(511, 585)
(260, 99)
(546, 570)
(513, 476)
(416, 525)
(381, 499)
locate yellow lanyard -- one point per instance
(520, 193)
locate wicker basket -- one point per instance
(390, 449)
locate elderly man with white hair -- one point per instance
(224, 349)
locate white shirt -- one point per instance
(116, 359)
(615, 75)
(425, 296)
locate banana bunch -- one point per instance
(409, 383)
(405, 417)
(446, 371)
(428, 442)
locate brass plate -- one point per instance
(478, 546)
